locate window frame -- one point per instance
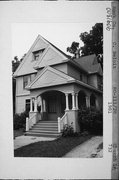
(25, 81)
(27, 103)
(36, 54)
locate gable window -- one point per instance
(37, 54)
(25, 81)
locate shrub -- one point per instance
(68, 131)
(91, 120)
(20, 120)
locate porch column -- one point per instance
(67, 102)
(44, 105)
(87, 101)
(41, 105)
(31, 108)
(97, 103)
(77, 101)
(73, 101)
(35, 104)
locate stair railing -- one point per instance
(62, 121)
(30, 122)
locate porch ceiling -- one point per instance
(50, 77)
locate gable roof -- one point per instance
(28, 65)
(49, 77)
(56, 48)
(90, 64)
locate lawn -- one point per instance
(56, 148)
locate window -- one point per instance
(37, 54)
(27, 105)
(32, 76)
(25, 81)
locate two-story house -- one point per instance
(54, 87)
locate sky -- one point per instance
(59, 34)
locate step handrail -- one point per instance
(30, 122)
(62, 121)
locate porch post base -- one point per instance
(73, 119)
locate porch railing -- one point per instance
(62, 121)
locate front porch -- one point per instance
(58, 106)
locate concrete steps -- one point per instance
(44, 129)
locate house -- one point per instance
(53, 87)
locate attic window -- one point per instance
(37, 54)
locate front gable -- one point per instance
(26, 66)
(49, 56)
(49, 77)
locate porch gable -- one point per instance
(49, 77)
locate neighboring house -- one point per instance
(53, 86)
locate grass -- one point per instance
(56, 148)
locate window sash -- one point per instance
(25, 81)
(27, 105)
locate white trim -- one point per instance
(18, 95)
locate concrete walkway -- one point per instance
(25, 140)
(87, 149)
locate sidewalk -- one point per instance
(88, 149)
(25, 140)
